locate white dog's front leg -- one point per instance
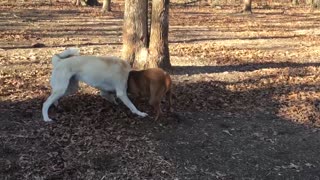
(124, 98)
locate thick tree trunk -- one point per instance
(106, 6)
(247, 6)
(135, 33)
(158, 48)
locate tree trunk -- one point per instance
(86, 2)
(77, 2)
(295, 2)
(214, 3)
(247, 6)
(106, 6)
(135, 33)
(159, 50)
(316, 4)
(93, 3)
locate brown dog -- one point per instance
(153, 83)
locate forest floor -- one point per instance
(247, 106)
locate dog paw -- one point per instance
(142, 114)
(48, 120)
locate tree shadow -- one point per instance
(192, 70)
(214, 132)
(238, 134)
(192, 40)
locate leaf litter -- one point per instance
(246, 86)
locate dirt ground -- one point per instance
(247, 106)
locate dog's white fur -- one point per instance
(104, 73)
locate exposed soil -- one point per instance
(247, 103)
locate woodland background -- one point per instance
(247, 88)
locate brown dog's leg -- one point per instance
(157, 91)
(169, 97)
(168, 83)
(156, 107)
(155, 103)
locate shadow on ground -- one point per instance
(191, 70)
(214, 134)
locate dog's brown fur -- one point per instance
(153, 83)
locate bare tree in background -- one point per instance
(106, 5)
(295, 2)
(136, 40)
(315, 4)
(135, 32)
(247, 6)
(214, 2)
(86, 2)
(159, 49)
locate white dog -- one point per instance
(104, 73)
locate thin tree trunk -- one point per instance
(135, 33)
(295, 2)
(106, 6)
(77, 2)
(247, 6)
(315, 3)
(86, 2)
(159, 50)
(214, 3)
(92, 2)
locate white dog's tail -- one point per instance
(65, 54)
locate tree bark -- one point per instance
(315, 3)
(295, 2)
(135, 33)
(247, 6)
(106, 6)
(159, 50)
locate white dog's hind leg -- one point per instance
(124, 98)
(46, 105)
(73, 86)
(59, 83)
(56, 103)
(108, 97)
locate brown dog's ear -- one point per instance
(132, 87)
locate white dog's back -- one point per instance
(98, 72)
